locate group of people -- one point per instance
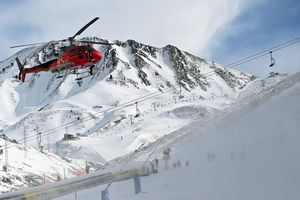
(178, 164)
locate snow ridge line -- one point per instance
(267, 93)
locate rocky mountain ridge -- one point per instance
(129, 71)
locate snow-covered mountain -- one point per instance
(243, 151)
(248, 151)
(33, 167)
(137, 95)
(137, 70)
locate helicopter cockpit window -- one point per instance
(79, 50)
(72, 53)
(80, 53)
(89, 49)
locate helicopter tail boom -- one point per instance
(39, 68)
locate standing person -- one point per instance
(166, 157)
(178, 164)
(187, 163)
(87, 168)
(156, 163)
(174, 165)
(58, 177)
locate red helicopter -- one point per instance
(73, 57)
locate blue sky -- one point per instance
(219, 30)
(260, 27)
(6, 4)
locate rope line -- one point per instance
(159, 93)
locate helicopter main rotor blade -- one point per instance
(92, 42)
(25, 45)
(85, 27)
(33, 44)
(71, 39)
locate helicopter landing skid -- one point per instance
(80, 78)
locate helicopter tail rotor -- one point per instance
(21, 67)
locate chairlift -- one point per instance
(272, 60)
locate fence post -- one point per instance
(137, 184)
(75, 195)
(104, 195)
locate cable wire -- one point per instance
(158, 93)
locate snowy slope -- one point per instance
(247, 152)
(103, 111)
(33, 167)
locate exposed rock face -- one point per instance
(187, 68)
(148, 63)
(128, 72)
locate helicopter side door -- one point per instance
(73, 56)
(78, 56)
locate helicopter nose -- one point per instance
(97, 56)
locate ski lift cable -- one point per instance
(258, 55)
(239, 62)
(261, 54)
(158, 93)
(275, 48)
(284, 46)
(87, 118)
(125, 104)
(131, 102)
(267, 52)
